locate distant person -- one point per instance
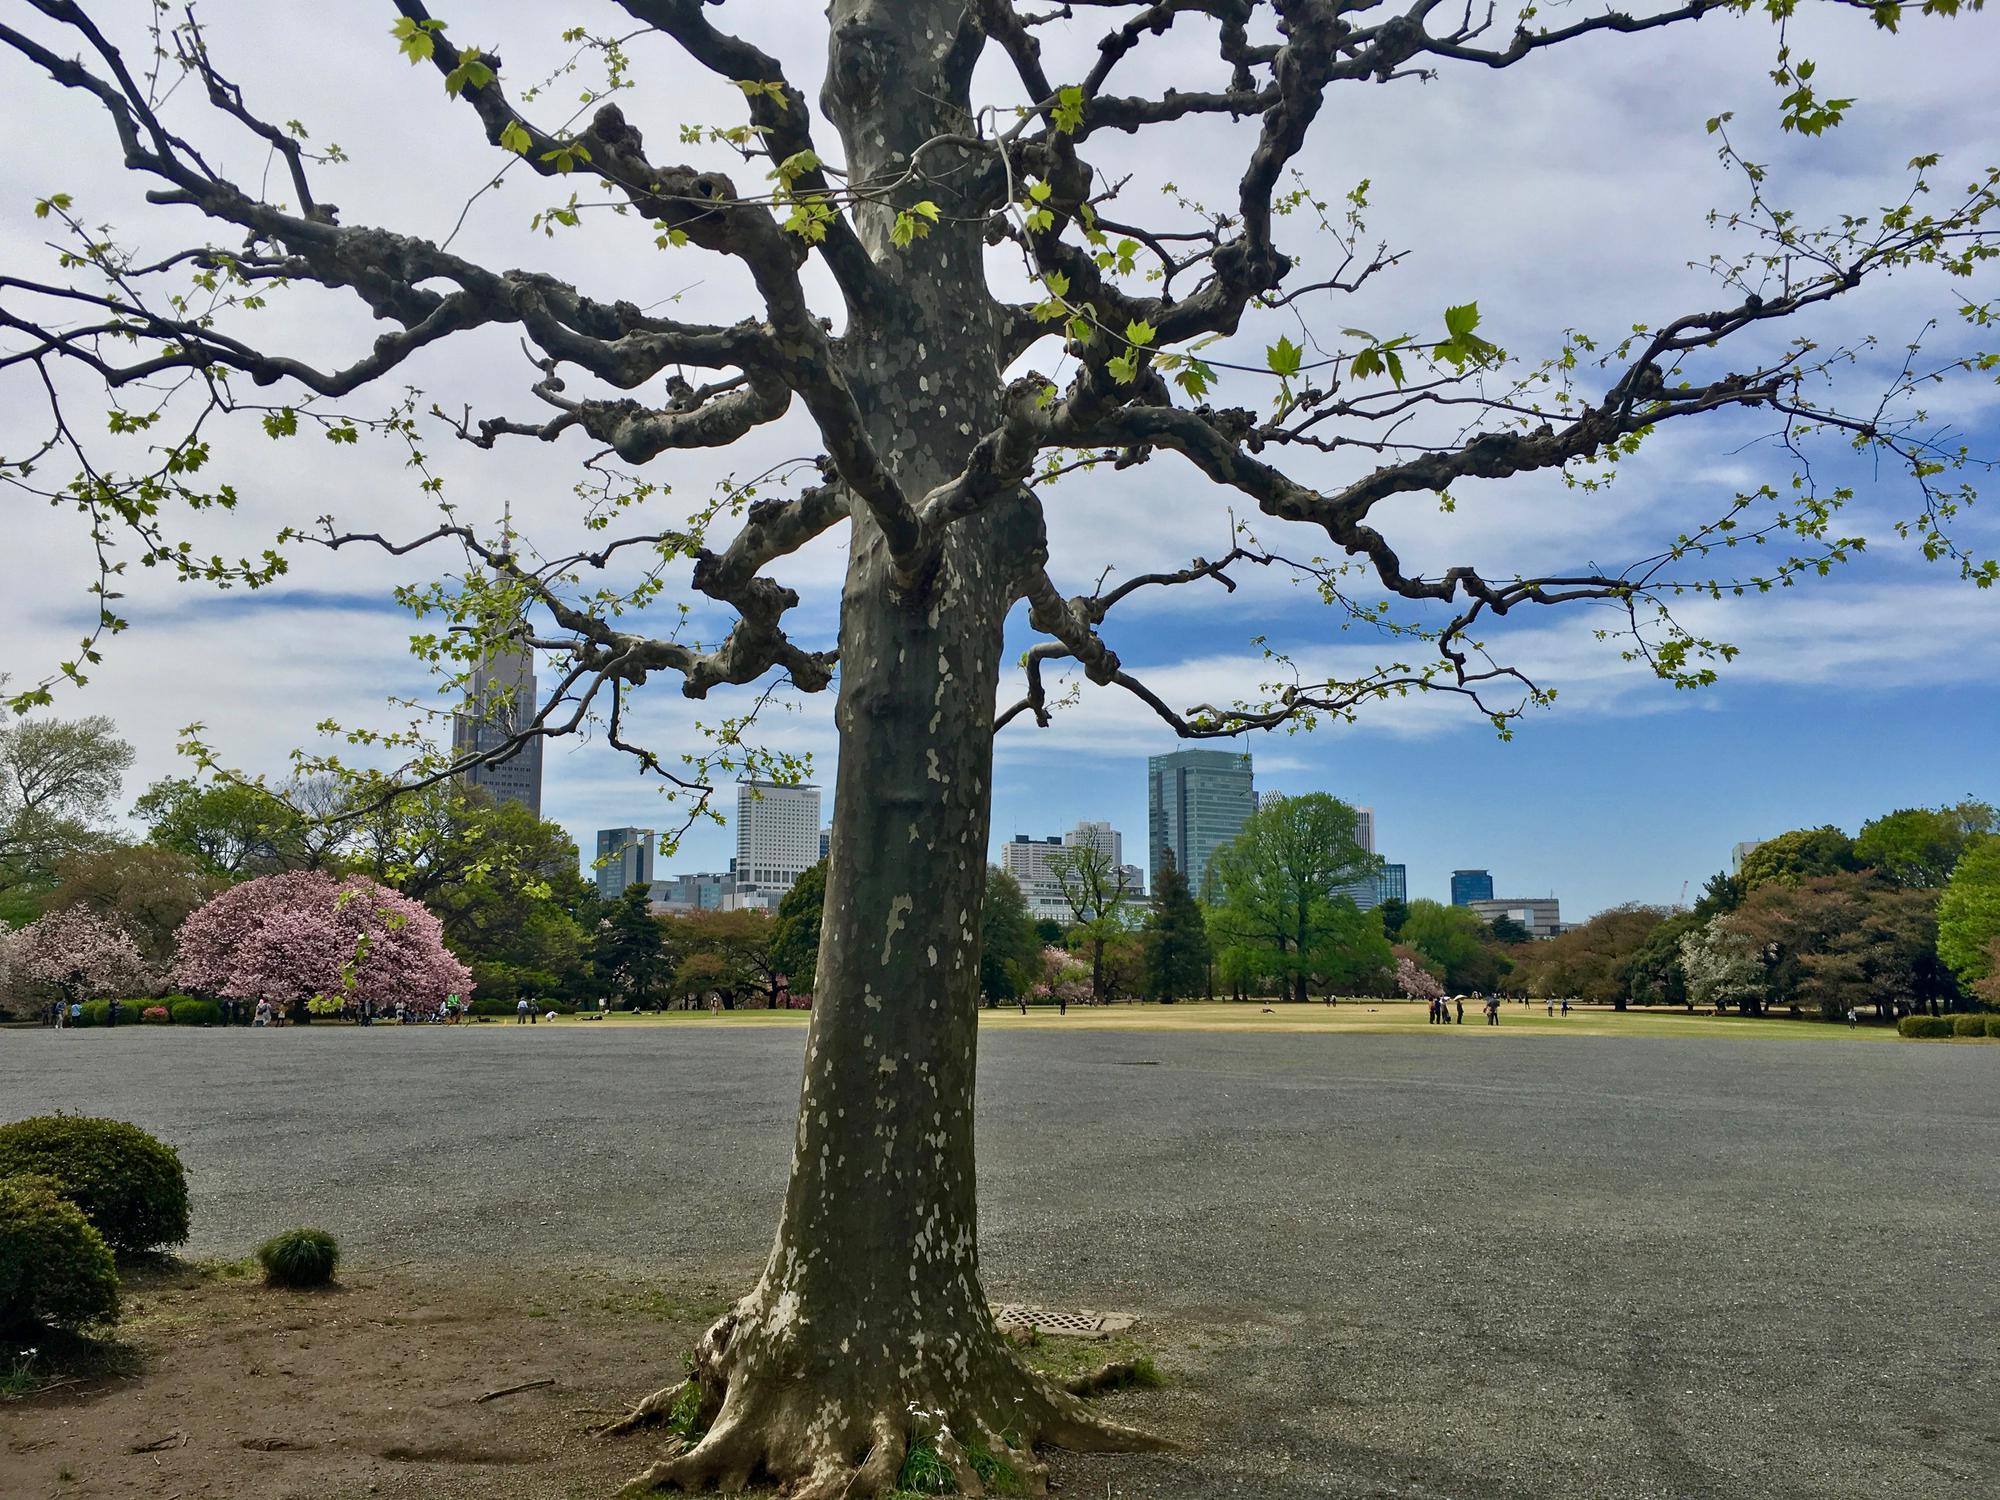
(1853, 1017)
(521, 1011)
(535, 1012)
(1565, 1005)
(1549, 1004)
(1492, 1010)
(1459, 1001)
(263, 1016)
(604, 1005)
(112, 1013)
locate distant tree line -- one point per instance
(1903, 916)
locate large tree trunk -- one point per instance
(869, 1329)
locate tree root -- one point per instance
(654, 1410)
(836, 1439)
(1114, 1375)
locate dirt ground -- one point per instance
(227, 1389)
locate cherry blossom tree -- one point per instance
(1415, 982)
(1065, 979)
(79, 954)
(302, 937)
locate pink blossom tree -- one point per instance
(1065, 978)
(79, 954)
(303, 937)
(1415, 982)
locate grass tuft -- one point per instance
(994, 1472)
(299, 1258)
(924, 1473)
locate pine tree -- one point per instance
(629, 952)
(1176, 936)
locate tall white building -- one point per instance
(1027, 860)
(1099, 836)
(777, 839)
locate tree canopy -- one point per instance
(1285, 897)
(1457, 941)
(57, 781)
(1919, 846)
(1968, 914)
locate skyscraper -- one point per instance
(777, 839)
(1468, 886)
(501, 700)
(624, 857)
(1099, 836)
(1196, 801)
(1392, 883)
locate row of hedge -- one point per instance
(179, 1010)
(1949, 1026)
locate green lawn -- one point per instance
(1348, 1015)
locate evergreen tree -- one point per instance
(629, 951)
(1010, 948)
(1177, 937)
(795, 940)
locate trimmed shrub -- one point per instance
(129, 1184)
(155, 1015)
(1924, 1026)
(55, 1268)
(299, 1258)
(1993, 1026)
(1968, 1026)
(188, 1012)
(96, 1013)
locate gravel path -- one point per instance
(1428, 1267)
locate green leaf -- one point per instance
(797, 165)
(1284, 357)
(471, 72)
(1068, 113)
(515, 139)
(1124, 368)
(1140, 332)
(414, 41)
(1459, 321)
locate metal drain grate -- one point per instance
(1081, 1324)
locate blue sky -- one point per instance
(1877, 688)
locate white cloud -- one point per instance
(1568, 192)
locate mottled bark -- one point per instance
(869, 1328)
